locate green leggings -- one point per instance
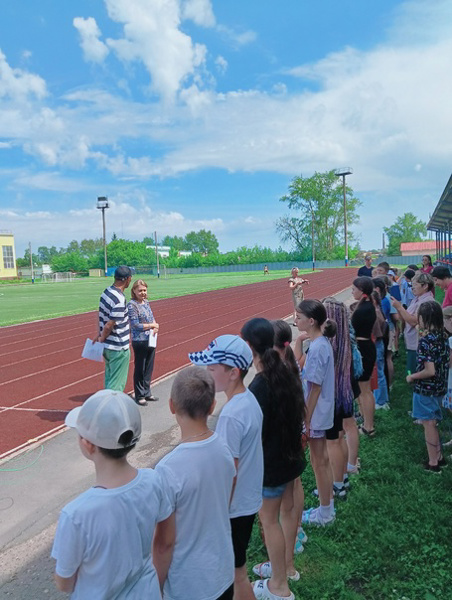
(116, 368)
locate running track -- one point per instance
(42, 374)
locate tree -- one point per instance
(319, 204)
(176, 242)
(202, 241)
(406, 228)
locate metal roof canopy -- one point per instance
(442, 215)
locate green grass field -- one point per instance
(392, 536)
(27, 302)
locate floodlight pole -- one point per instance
(102, 204)
(342, 173)
(312, 239)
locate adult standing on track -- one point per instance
(142, 324)
(366, 269)
(296, 287)
(114, 330)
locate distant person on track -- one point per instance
(143, 325)
(114, 330)
(366, 269)
(266, 271)
(296, 287)
(103, 541)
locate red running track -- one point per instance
(42, 374)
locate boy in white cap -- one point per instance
(228, 359)
(104, 537)
(193, 551)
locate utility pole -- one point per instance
(102, 204)
(157, 255)
(342, 173)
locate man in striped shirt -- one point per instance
(114, 330)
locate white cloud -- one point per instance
(199, 11)
(222, 64)
(18, 84)
(93, 49)
(153, 36)
(237, 39)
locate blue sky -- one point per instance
(194, 114)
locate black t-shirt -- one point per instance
(278, 469)
(365, 271)
(363, 319)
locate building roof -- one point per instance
(421, 246)
(442, 215)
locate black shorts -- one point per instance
(333, 432)
(241, 528)
(369, 356)
(227, 594)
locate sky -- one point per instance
(193, 114)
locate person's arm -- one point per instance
(292, 284)
(65, 584)
(427, 372)
(109, 326)
(300, 357)
(406, 316)
(163, 547)
(234, 481)
(311, 403)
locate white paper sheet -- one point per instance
(93, 351)
(152, 339)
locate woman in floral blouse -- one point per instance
(142, 324)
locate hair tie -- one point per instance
(286, 344)
(365, 296)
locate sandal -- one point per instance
(151, 398)
(368, 433)
(141, 401)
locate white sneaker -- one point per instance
(301, 534)
(312, 516)
(261, 592)
(384, 406)
(265, 570)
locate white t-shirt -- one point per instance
(319, 369)
(240, 425)
(199, 477)
(107, 535)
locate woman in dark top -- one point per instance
(280, 395)
(363, 320)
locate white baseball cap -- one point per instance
(228, 350)
(104, 417)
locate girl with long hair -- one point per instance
(279, 392)
(318, 379)
(283, 339)
(341, 452)
(363, 320)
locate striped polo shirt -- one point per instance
(112, 307)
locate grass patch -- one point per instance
(27, 302)
(392, 536)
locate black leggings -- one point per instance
(144, 364)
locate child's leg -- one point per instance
(242, 586)
(351, 429)
(276, 546)
(432, 441)
(367, 403)
(241, 528)
(290, 517)
(322, 469)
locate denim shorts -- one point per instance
(317, 434)
(427, 408)
(269, 493)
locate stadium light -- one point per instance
(102, 204)
(342, 173)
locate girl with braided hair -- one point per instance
(341, 453)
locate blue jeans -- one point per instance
(381, 395)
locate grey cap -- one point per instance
(104, 417)
(123, 273)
